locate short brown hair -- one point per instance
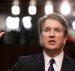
(54, 16)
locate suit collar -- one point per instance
(66, 64)
(40, 63)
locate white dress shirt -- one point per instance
(57, 64)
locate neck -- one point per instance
(52, 54)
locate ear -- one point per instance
(65, 39)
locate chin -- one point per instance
(51, 48)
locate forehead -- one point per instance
(52, 23)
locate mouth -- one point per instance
(52, 42)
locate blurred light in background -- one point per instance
(48, 8)
(27, 22)
(73, 13)
(12, 23)
(15, 10)
(65, 8)
(32, 7)
(73, 24)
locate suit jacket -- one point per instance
(36, 63)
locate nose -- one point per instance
(52, 34)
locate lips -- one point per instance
(52, 42)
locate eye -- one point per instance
(58, 30)
(46, 30)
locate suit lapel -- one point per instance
(40, 63)
(65, 64)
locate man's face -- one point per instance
(52, 35)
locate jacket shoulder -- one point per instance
(71, 60)
(68, 64)
(29, 58)
(26, 63)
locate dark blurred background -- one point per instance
(21, 32)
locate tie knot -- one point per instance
(52, 61)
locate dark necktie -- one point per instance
(52, 61)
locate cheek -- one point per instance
(43, 38)
(60, 36)
(61, 40)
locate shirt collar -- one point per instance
(58, 59)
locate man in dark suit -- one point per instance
(53, 32)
